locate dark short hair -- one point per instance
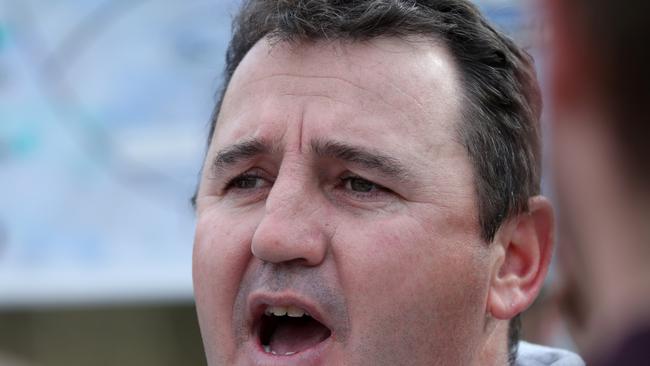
(500, 123)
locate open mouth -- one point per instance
(288, 330)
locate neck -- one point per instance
(495, 349)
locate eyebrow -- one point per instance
(366, 158)
(237, 153)
(363, 157)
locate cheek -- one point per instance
(413, 264)
(221, 252)
(429, 281)
(415, 254)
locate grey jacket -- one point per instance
(534, 355)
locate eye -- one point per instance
(248, 181)
(360, 185)
(362, 189)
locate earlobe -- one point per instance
(522, 250)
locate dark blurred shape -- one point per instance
(610, 44)
(619, 35)
(601, 99)
(134, 335)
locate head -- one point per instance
(374, 164)
(601, 93)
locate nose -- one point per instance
(293, 227)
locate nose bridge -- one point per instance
(291, 229)
(288, 196)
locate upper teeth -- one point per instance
(292, 311)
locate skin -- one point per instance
(388, 250)
(604, 253)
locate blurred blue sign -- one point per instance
(104, 108)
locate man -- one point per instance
(370, 191)
(601, 94)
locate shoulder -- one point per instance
(535, 355)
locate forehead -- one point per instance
(386, 92)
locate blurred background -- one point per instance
(104, 109)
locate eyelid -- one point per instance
(380, 193)
(255, 172)
(350, 175)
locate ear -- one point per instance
(522, 251)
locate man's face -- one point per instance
(335, 186)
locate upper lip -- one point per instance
(258, 302)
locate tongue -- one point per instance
(297, 334)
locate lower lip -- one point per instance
(314, 355)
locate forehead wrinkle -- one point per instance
(328, 98)
(401, 91)
(318, 77)
(380, 96)
(377, 94)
